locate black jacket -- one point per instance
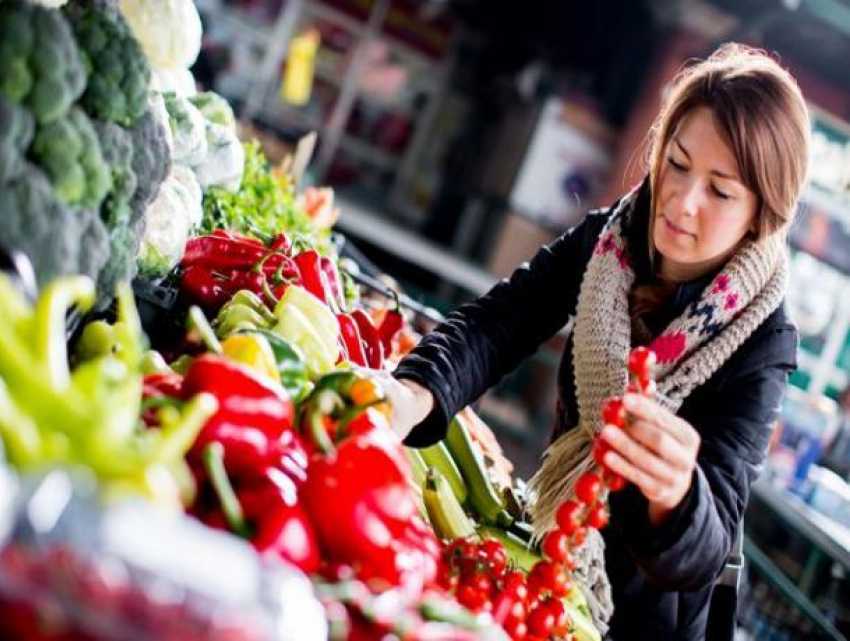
(661, 577)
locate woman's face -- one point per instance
(703, 210)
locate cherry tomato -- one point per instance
(540, 621)
(507, 606)
(642, 361)
(599, 449)
(597, 517)
(547, 576)
(613, 412)
(556, 546)
(471, 597)
(614, 481)
(569, 516)
(516, 629)
(494, 553)
(561, 624)
(587, 487)
(514, 583)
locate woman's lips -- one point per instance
(675, 229)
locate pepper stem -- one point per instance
(198, 322)
(321, 405)
(213, 456)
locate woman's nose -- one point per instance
(691, 199)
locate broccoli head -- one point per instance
(119, 73)
(116, 143)
(69, 151)
(57, 240)
(120, 267)
(151, 161)
(116, 211)
(40, 63)
(16, 132)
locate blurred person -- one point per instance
(693, 263)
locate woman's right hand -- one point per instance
(411, 402)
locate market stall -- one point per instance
(195, 441)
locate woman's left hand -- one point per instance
(657, 451)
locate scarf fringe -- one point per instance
(565, 460)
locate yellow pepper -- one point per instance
(254, 351)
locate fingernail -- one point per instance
(608, 432)
(629, 401)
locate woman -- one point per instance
(692, 263)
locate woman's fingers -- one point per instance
(661, 443)
(643, 408)
(651, 487)
(638, 457)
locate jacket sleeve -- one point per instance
(690, 549)
(485, 339)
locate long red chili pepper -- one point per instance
(371, 339)
(352, 342)
(312, 277)
(221, 253)
(332, 280)
(391, 325)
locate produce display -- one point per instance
(223, 468)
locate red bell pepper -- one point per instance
(374, 525)
(262, 505)
(246, 401)
(205, 286)
(371, 338)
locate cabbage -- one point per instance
(188, 130)
(168, 30)
(168, 221)
(225, 161)
(215, 109)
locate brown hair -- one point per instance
(761, 114)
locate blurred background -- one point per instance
(460, 135)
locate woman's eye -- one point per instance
(676, 165)
(721, 195)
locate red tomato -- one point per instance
(494, 553)
(599, 449)
(597, 517)
(569, 516)
(614, 481)
(613, 412)
(561, 625)
(547, 576)
(516, 629)
(541, 621)
(587, 487)
(642, 361)
(556, 546)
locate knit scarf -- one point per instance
(690, 350)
